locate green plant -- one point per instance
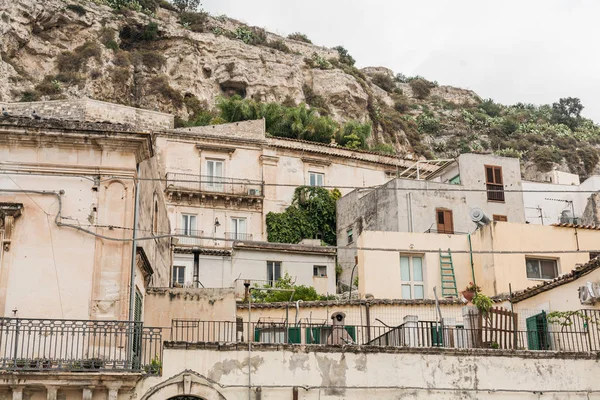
(471, 287)
(29, 96)
(384, 148)
(494, 345)
(427, 123)
(301, 292)
(490, 108)
(76, 60)
(131, 35)
(483, 303)
(299, 37)
(278, 45)
(107, 38)
(567, 111)
(186, 5)
(421, 88)
(354, 134)
(384, 81)
(317, 61)
(155, 366)
(148, 58)
(315, 100)
(49, 86)
(194, 21)
(77, 9)
(312, 214)
(344, 56)
(355, 283)
(544, 158)
(159, 85)
(253, 36)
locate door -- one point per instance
(537, 332)
(137, 330)
(445, 222)
(214, 175)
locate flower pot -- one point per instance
(469, 296)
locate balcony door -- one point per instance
(214, 175)
(238, 229)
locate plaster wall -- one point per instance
(354, 373)
(214, 272)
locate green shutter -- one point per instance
(294, 335)
(256, 335)
(351, 331)
(437, 338)
(316, 336)
(537, 332)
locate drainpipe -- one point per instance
(471, 255)
(196, 267)
(134, 244)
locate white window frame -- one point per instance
(538, 260)
(271, 268)
(272, 335)
(316, 177)
(180, 275)
(215, 180)
(321, 271)
(411, 283)
(236, 232)
(188, 224)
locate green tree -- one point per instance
(354, 135)
(345, 57)
(186, 5)
(306, 293)
(567, 111)
(311, 215)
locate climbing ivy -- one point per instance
(311, 215)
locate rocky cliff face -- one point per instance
(57, 49)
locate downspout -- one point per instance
(134, 244)
(410, 214)
(471, 255)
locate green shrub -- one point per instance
(29, 96)
(253, 36)
(186, 5)
(49, 86)
(490, 108)
(421, 88)
(159, 85)
(122, 59)
(107, 38)
(401, 103)
(427, 123)
(278, 45)
(76, 60)
(77, 9)
(120, 76)
(133, 34)
(315, 100)
(317, 61)
(384, 81)
(354, 135)
(544, 158)
(301, 37)
(167, 6)
(148, 58)
(345, 57)
(384, 148)
(194, 21)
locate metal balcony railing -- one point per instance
(214, 184)
(185, 237)
(495, 192)
(79, 345)
(238, 236)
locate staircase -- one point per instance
(448, 279)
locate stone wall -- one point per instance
(215, 371)
(93, 111)
(249, 130)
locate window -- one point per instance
(188, 224)
(273, 271)
(178, 276)
(411, 275)
(350, 236)
(455, 180)
(541, 268)
(494, 183)
(238, 229)
(445, 223)
(214, 174)
(500, 218)
(316, 179)
(320, 270)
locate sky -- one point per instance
(529, 51)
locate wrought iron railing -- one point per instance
(495, 192)
(79, 345)
(421, 334)
(214, 184)
(186, 237)
(238, 236)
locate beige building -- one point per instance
(504, 255)
(222, 181)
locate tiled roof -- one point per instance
(285, 247)
(203, 251)
(577, 226)
(547, 285)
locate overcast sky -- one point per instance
(533, 51)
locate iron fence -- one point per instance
(79, 345)
(214, 184)
(238, 236)
(185, 237)
(409, 334)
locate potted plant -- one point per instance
(470, 292)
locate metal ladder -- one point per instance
(448, 279)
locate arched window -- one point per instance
(155, 217)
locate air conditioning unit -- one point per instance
(590, 293)
(253, 192)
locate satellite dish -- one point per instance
(478, 216)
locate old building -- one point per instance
(439, 204)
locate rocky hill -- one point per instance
(209, 69)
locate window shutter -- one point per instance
(294, 335)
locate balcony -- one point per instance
(51, 345)
(495, 192)
(186, 237)
(215, 191)
(238, 236)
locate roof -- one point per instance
(285, 247)
(370, 302)
(577, 226)
(572, 276)
(207, 251)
